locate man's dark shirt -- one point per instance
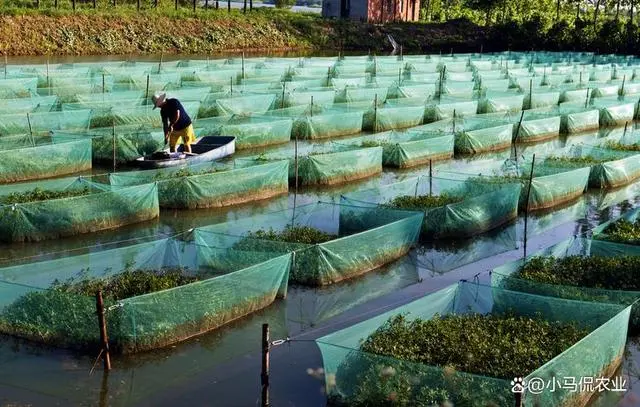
(168, 113)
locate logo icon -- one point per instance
(517, 385)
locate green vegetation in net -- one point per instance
(101, 121)
(129, 283)
(293, 234)
(421, 202)
(374, 143)
(612, 273)
(38, 194)
(74, 324)
(574, 161)
(614, 145)
(183, 172)
(488, 344)
(207, 111)
(622, 231)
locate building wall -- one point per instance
(384, 11)
(374, 11)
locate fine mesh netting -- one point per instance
(468, 207)
(249, 131)
(29, 160)
(80, 206)
(211, 184)
(35, 307)
(361, 239)
(364, 378)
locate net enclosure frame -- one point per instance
(483, 205)
(363, 239)
(43, 160)
(98, 207)
(408, 149)
(211, 184)
(598, 354)
(505, 276)
(326, 165)
(243, 283)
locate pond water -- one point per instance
(222, 368)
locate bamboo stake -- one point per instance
(526, 212)
(102, 323)
(33, 143)
(243, 75)
(147, 92)
(264, 377)
(624, 79)
(530, 93)
(5, 66)
(375, 113)
(515, 138)
(284, 87)
(113, 136)
(430, 177)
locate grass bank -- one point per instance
(89, 32)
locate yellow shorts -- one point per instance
(186, 135)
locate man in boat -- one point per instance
(175, 122)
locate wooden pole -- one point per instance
(515, 137)
(176, 5)
(229, 6)
(194, 5)
(94, 4)
(147, 91)
(375, 113)
(231, 81)
(243, 75)
(526, 209)
(103, 89)
(295, 190)
(104, 389)
(5, 66)
(454, 121)
(113, 136)
(328, 76)
(244, 8)
(586, 100)
(250, 5)
(625, 129)
(33, 143)
(530, 93)
(430, 177)
(102, 323)
(160, 63)
(73, 4)
(624, 79)
(264, 377)
(284, 87)
(311, 106)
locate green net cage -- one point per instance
(408, 149)
(395, 114)
(361, 94)
(614, 112)
(356, 377)
(36, 307)
(330, 164)
(44, 160)
(18, 87)
(448, 107)
(117, 144)
(466, 207)
(43, 122)
(29, 105)
(229, 104)
(496, 101)
(314, 121)
(71, 206)
(609, 168)
(304, 96)
(478, 134)
(361, 239)
(509, 275)
(212, 184)
(250, 131)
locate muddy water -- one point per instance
(222, 368)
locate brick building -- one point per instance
(373, 11)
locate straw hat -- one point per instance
(158, 99)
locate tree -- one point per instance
(486, 6)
